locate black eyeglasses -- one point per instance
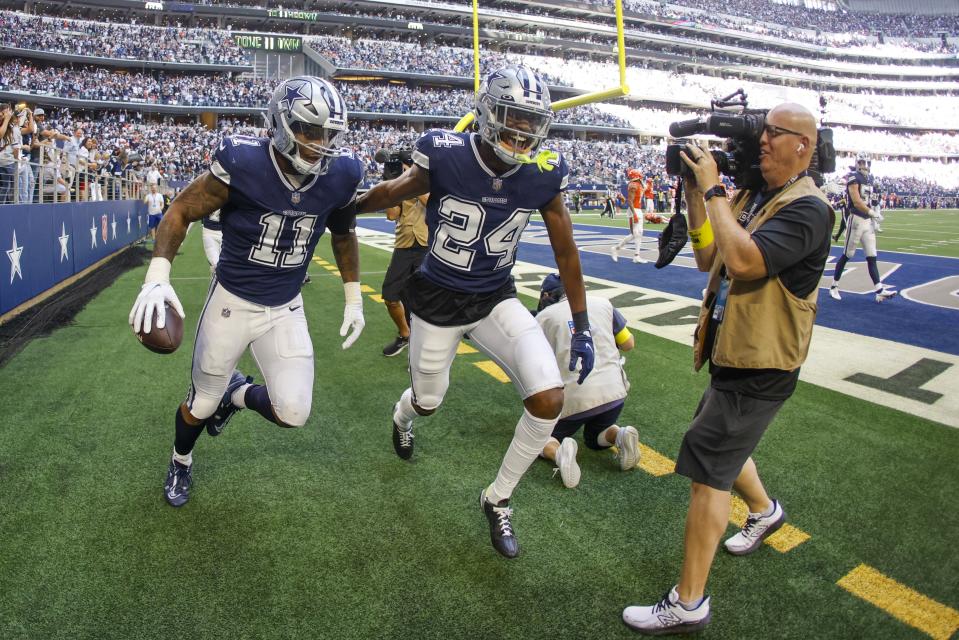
(774, 132)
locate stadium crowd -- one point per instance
(97, 83)
(125, 41)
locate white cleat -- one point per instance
(885, 293)
(627, 441)
(834, 293)
(566, 462)
(614, 254)
(639, 260)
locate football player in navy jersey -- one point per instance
(276, 196)
(483, 189)
(862, 230)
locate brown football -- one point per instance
(167, 339)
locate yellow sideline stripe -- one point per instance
(365, 288)
(655, 463)
(493, 369)
(464, 349)
(329, 267)
(906, 605)
(320, 261)
(377, 298)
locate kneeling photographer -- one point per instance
(409, 247)
(765, 253)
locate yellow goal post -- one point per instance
(566, 103)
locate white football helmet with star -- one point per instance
(307, 117)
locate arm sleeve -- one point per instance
(343, 220)
(792, 234)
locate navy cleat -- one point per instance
(216, 423)
(500, 527)
(179, 478)
(402, 440)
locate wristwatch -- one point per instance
(712, 192)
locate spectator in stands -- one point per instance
(26, 177)
(10, 143)
(53, 186)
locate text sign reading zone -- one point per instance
(290, 44)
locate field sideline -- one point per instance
(322, 532)
(923, 231)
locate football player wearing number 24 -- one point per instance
(483, 189)
(276, 196)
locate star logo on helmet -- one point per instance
(294, 93)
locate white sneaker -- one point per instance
(566, 462)
(614, 254)
(667, 616)
(756, 529)
(639, 260)
(834, 293)
(885, 293)
(627, 441)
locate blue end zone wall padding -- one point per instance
(43, 244)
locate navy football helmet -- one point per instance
(551, 291)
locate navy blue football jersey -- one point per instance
(271, 227)
(475, 218)
(865, 192)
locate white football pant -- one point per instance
(509, 335)
(280, 342)
(212, 240)
(860, 231)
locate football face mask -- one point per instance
(518, 131)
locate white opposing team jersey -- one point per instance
(607, 382)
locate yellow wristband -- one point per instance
(702, 237)
(623, 336)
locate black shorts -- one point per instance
(595, 425)
(723, 434)
(402, 265)
(447, 308)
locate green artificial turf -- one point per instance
(322, 532)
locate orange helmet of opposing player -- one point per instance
(634, 174)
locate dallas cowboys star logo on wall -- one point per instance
(14, 255)
(294, 92)
(64, 239)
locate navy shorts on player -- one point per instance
(593, 425)
(154, 220)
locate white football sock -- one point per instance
(405, 413)
(529, 438)
(239, 396)
(186, 460)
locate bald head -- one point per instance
(787, 144)
(795, 117)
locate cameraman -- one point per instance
(765, 253)
(409, 248)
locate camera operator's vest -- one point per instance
(764, 325)
(411, 225)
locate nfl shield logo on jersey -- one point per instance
(497, 184)
(295, 197)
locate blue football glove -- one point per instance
(581, 348)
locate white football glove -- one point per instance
(352, 313)
(155, 292)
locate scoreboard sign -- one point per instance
(285, 44)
